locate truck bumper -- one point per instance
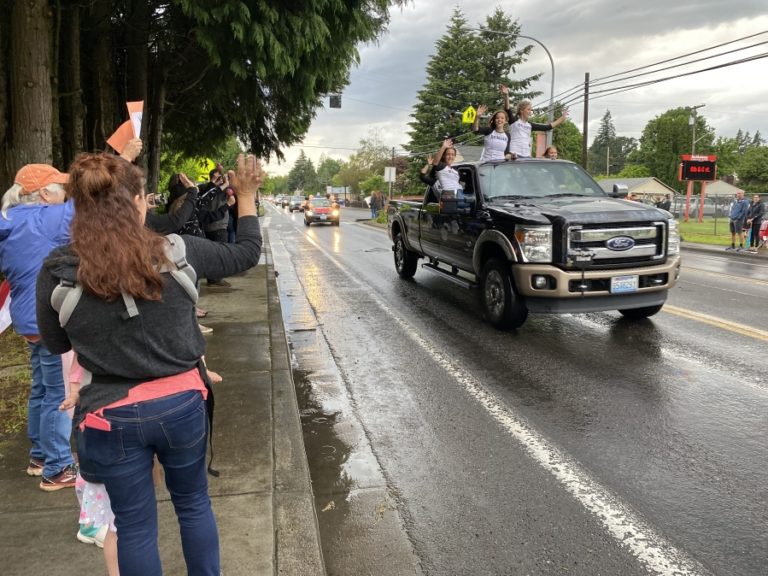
(568, 291)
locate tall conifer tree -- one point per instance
(466, 69)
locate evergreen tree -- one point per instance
(466, 69)
(607, 148)
(302, 177)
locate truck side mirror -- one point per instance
(620, 191)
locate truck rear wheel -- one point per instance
(503, 307)
(405, 260)
(640, 313)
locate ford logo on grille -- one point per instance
(620, 243)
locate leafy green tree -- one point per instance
(666, 138)
(753, 170)
(634, 171)
(370, 158)
(372, 183)
(326, 170)
(566, 137)
(303, 176)
(274, 185)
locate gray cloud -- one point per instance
(602, 37)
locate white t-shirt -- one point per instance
(494, 147)
(520, 138)
(447, 176)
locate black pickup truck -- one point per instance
(540, 236)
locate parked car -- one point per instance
(296, 203)
(321, 210)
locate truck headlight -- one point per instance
(673, 241)
(535, 242)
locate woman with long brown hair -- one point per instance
(134, 329)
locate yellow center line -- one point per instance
(741, 329)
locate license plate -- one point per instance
(323, 216)
(622, 284)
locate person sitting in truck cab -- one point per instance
(427, 176)
(446, 175)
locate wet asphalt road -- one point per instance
(578, 445)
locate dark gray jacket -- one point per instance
(163, 340)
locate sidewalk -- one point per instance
(715, 249)
(263, 498)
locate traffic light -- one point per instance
(335, 101)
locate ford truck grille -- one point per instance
(611, 245)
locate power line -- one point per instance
(611, 91)
(578, 88)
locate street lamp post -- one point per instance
(689, 187)
(692, 121)
(551, 111)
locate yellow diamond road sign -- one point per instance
(469, 115)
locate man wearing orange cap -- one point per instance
(35, 219)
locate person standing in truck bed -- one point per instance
(520, 128)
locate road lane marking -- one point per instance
(729, 276)
(625, 525)
(742, 329)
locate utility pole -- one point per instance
(608, 160)
(692, 121)
(394, 170)
(586, 121)
(689, 189)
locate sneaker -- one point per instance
(35, 467)
(64, 479)
(92, 535)
(205, 329)
(730, 248)
(220, 284)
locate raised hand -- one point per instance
(185, 181)
(249, 176)
(132, 149)
(482, 109)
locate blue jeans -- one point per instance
(48, 428)
(176, 429)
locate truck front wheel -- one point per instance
(503, 308)
(640, 313)
(405, 260)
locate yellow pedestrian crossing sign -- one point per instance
(469, 115)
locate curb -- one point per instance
(298, 551)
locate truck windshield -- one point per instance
(541, 179)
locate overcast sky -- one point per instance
(602, 37)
